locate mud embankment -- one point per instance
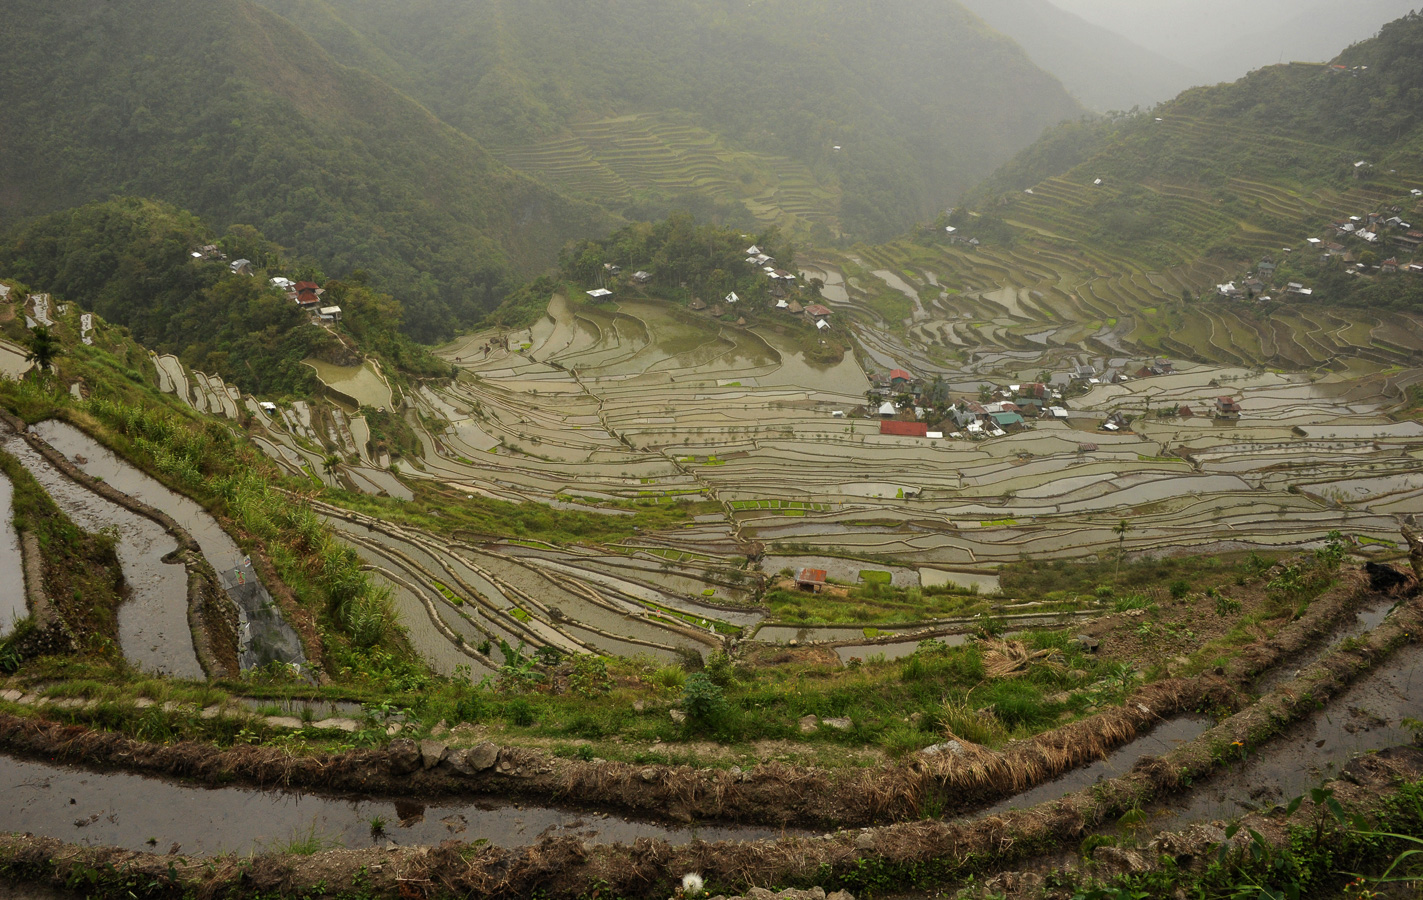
(957, 780)
(566, 867)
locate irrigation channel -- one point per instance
(140, 813)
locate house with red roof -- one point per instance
(904, 429)
(308, 294)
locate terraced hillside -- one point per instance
(895, 108)
(647, 159)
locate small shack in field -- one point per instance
(812, 580)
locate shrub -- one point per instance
(1180, 588)
(702, 699)
(519, 712)
(720, 670)
(590, 677)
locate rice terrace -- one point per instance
(674, 499)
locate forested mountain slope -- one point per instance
(230, 111)
(1271, 154)
(1274, 221)
(725, 107)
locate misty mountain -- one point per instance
(1102, 69)
(740, 105)
(230, 111)
(1224, 39)
(1235, 169)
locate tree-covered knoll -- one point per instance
(130, 260)
(230, 111)
(922, 97)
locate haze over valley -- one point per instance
(694, 448)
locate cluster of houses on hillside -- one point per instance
(307, 295)
(782, 283)
(907, 406)
(1346, 240)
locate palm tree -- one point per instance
(1120, 530)
(330, 463)
(44, 347)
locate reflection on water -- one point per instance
(153, 622)
(12, 582)
(129, 811)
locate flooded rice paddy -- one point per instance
(1371, 715)
(153, 621)
(12, 572)
(264, 635)
(363, 384)
(146, 814)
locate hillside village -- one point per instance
(914, 407)
(1358, 244)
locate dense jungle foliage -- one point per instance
(130, 260)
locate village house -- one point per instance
(642, 277)
(816, 311)
(329, 313)
(241, 267)
(1227, 407)
(612, 269)
(1266, 270)
(1008, 421)
(1116, 422)
(599, 293)
(308, 295)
